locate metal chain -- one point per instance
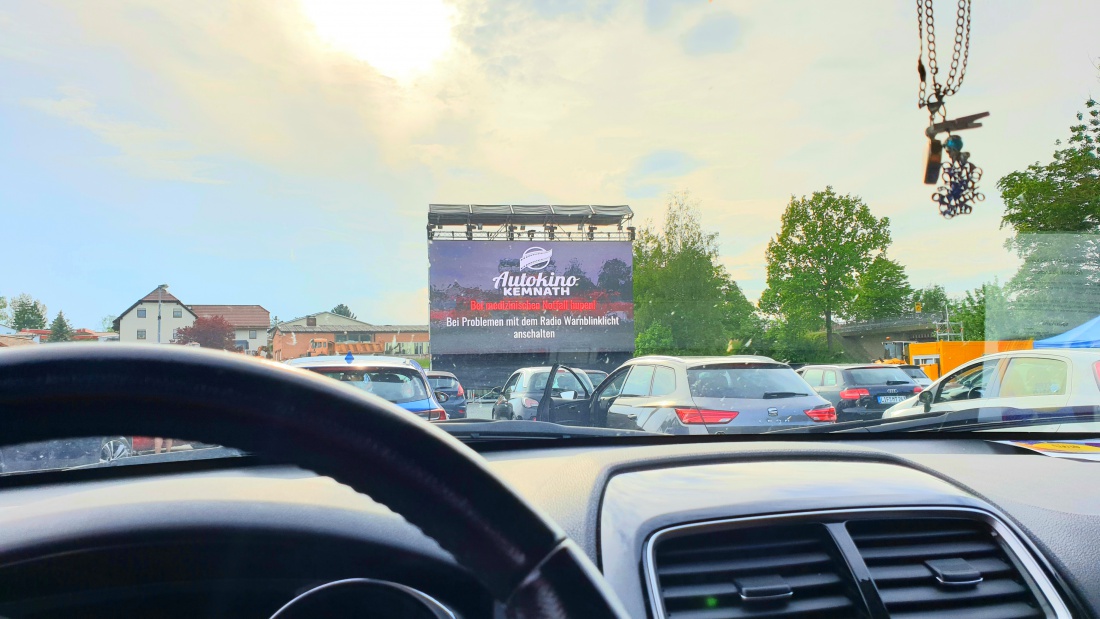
(926, 25)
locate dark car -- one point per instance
(445, 382)
(520, 396)
(860, 391)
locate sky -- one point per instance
(284, 153)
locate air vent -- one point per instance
(790, 572)
(944, 568)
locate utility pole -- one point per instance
(160, 293)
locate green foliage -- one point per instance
(679, 285)
(27, 313)
(814, 263)
(107, 323)
(615, 276)
(882, 291)
(1054, 208)
(60, 329)
(1064, 194)
(343, 310)
(933, 300)
(5, 315)
(656, 339)
(971, 310)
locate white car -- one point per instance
(917, 374)
(1019, 382)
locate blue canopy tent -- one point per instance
(1084, 336)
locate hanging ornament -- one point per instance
(959, 177)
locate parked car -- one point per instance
(860, 392)
(401, 381)
(698, 395)
(917, 374)
(445, 382)
(1014, 384)
(521, 394)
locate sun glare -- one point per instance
(399, 38)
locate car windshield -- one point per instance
(396, 385)
(654, 195)
(749, 382)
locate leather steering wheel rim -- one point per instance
(375, 447)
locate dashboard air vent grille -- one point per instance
(788, 571)
(944, 568)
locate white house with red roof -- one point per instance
(157, 316)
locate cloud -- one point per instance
(650, 176)
(145, 150)
(714, 34)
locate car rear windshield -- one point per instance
(914, 372)
(757, 381)
(443, 382)
(878, 376)
(394, 384)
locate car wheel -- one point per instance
(115, 448)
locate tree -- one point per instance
(584, 283)
(656, 339)
(107, 323)
(60, 329)
(679, 285)
(27, 313)
(343, 310)
(971, 311)
(615, 276)
(1054, 209)
(5, 316)
(208, 332)
(882, 291)
(813, 264)
(933, 301)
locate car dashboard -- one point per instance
(859, 528)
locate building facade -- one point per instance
(139, 323)
(328, 333)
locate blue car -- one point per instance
(401, 381)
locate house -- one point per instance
(153, 319)
(140, 324)
(303, 336)
(251, 323)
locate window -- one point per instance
(885, 375)
(311, 321)
(354, 337)
(813, 377)
(252, 334)
(418, 348)
(637, 384)
(753, 381)
(968, 383)
(613, 386)
(511, 385)
(830, 378)
(141, 312)
(141, 334)
(664, 381)
(177, 313)
(1032, 376)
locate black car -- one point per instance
(445, 382)
(860, 391)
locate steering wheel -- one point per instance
(417, 470)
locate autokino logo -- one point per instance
(542, 283)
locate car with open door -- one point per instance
(524, 390)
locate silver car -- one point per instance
(1019, 383)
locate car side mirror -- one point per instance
(442, 397)
(925, 398)
(568, 395)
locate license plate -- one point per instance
(890, 399)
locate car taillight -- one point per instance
(854, 394)
(918, 389)
(1096, 370)
(699, 416)
(529, 403)
(461, 392)
(437, 414)
(824, 414)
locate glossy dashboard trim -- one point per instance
(1021, 552)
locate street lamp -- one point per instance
(160, 293)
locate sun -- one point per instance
(399, 38)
